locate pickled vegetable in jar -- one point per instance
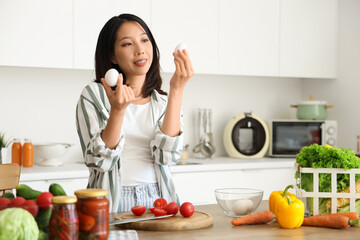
(93, 211)
(64, 222)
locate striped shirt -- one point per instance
(92, 113)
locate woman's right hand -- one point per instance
(121, 97)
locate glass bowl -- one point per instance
(237, 202)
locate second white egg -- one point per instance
(181, 46)
(111, 77)
(242, 206)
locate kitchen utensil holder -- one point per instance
(334, 195)
(205, 148)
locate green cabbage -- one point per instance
(17, 224)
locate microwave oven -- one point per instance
(287, 137)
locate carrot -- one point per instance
(333, 221)
(254, 218)
(351, 215)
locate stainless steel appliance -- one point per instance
(287, 136)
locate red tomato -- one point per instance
(159, 212)
(31, 206)
(44, 200)
(17, 202)
(151, 210)
(187, 209)
(160, 202)
(138, 210)
(94, 207)
(172, 208)
(4, 202)
(86, 223)
(101, 231)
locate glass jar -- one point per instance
(64, 222)
(93, 211)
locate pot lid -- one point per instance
(311, 101)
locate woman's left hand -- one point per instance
(184, 70)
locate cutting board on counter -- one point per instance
(176, 223)
(9, 176)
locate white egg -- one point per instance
(242, 206)
(111, 77)
(250, 205)
(181, 46)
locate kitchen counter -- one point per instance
(66, 171)
(227, 163)
(223, 229)
(79, 170)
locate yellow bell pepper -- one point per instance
(289, 210)
(275, 195)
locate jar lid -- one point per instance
(64, 199)
(91, 192)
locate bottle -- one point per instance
(64, 221)
(358, 146)
(16, 151)
(28, 153)
(92, 203)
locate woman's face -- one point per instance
(133, 50)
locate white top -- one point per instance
(104, 164)
(137, 165)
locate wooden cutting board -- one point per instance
(9, 176)
(176, 223)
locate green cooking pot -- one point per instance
(311, 110)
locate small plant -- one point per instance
(3, 141)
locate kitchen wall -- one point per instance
(344, 91)
(40, 103)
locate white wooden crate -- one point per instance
(334, 195)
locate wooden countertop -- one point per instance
(223, 229)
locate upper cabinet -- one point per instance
(36, 33)
(281, 38)
(287, 38)
(249, 37)
(192, 22)
(89, 18)
(308, 38)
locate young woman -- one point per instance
(130, 134)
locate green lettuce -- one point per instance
(318, 156)
(17, 224)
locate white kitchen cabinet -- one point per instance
(198, 187)
(192, 22)
(89, 18)
(287, 38)
(308, 37)
(249, 37)
(70, 185)
(36, 33)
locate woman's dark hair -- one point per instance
(105, 51)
